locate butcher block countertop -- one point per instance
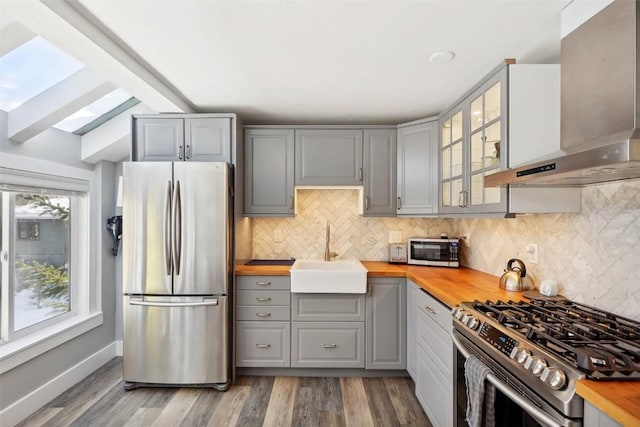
(620, 400)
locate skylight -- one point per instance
(93, 111)
(32, 68)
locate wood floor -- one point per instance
(100, 400)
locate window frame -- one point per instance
(17, 171)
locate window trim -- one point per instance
(89, 298)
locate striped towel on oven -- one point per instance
(479, 398)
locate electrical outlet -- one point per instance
(465, 240)
(277, 236)
(532, 253)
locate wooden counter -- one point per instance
(619, 400)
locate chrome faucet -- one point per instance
(327, 253)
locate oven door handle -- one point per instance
(527, 406)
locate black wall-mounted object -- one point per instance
(114, 227)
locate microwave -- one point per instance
(436, 252)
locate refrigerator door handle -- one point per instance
(166, 236)
(177, 229)
(203, 303)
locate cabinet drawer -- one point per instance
(263, 344)
(263, 283)
(328, 307)
(263, 313)
(327, 344)
(439, 312)
(263, 298)
(435, 341)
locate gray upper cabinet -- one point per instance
(385, 324)
(328, 157)
(177, 137)
(380, 149)
(269, 172)
(417, 168)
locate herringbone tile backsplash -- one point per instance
(592, 255)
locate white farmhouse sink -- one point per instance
(328, 277)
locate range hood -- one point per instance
(600, 112)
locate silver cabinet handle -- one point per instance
(263, 345)
(177, 229)
(360, 174)
(263, 315)
(180, 152)
(263, 299)
(263, 283)
(430, 310)
(466, 198)
(366, 203)
(166, 233)
(399, 203)
(461, 199)
(187, 155)
(328, 345)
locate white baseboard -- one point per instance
(119, 348)
(18, 411)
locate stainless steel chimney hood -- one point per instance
(600, 112)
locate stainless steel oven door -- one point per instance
(512, 407)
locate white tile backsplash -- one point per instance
(594, 256)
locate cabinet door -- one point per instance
(328, 307)
(452, 164)
(268, 172)
(328, 157)
(263, 344)
(434, 391)
(417, 169)
(208, 139)
(487, 136)
(386, 324)
(158, 139)
(380, 150)
(411, 328)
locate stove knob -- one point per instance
(520, 355)
(460, 313)
(455, 310)
(554, 377)
(472, 322)
(530, 361)
(538, 367)
(465, 318)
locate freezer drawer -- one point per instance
(176, 340)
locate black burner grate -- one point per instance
(600, 344)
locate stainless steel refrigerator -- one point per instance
(177, 273)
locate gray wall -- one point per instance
(63, 148)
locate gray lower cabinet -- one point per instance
(328, 307)
(380, 151)
(178, 137)
(434, 358)
(327, 344)
(263, 344)
(412, 320)
(593, 417)
(418, 168)
(328, 157)
(263, 327)
(386, 324)
(269, 171)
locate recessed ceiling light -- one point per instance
(442, 57)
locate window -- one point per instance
(41, 281)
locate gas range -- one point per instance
(543, 347)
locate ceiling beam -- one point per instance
(62, 24)
(111, 140)
(13, 35)
(54, 104)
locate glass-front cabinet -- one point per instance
(473, 135)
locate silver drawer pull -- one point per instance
(328, 345)
(263, 314)
(263, 299)
(263, 283)
(263, 345)
(430, 310)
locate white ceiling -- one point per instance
(292, 62)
